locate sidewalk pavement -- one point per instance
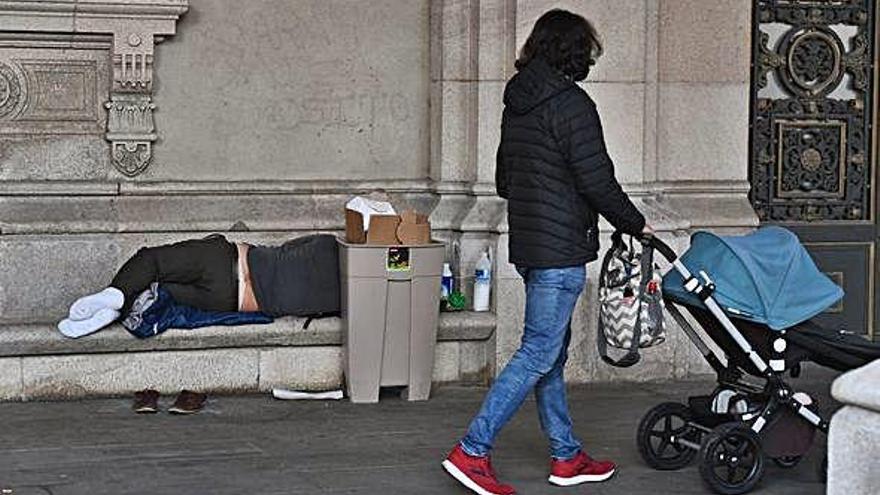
(258, 445)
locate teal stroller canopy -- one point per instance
(766, 277)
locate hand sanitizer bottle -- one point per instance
(482, 282)
(446, 282)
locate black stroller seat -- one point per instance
(807, 342)
(836, 349)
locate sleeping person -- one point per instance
(299, 277)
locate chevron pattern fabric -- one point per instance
(620, 304)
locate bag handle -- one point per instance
(632, 355)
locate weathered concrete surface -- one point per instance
(114, 374)
(320, 89)
(303, 368)
(686, 57)
(856, 387)
(854, 443)
(854, 447)
(257, 445)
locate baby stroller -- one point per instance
(754, 297)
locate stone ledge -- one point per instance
(73, 10)
(44, 339)
(858, 387)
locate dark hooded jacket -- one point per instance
(553, 169)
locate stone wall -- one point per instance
(269, 115)
(266, 117)
(280, 90)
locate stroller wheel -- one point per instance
(787, 461)
(657, 434)
(731, 459)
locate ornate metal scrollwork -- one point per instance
(810, 147)
(813, 61)
(811, 163)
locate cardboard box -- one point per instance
(414, 228)
(410, 228)
(383, 229)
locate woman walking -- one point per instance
(554, 172)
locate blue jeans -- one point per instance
(538, 364)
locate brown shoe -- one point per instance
(188, 402)
(146, 402)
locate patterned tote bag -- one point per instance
(630, 302)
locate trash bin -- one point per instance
(390, 306)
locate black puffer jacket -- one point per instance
(555, 172)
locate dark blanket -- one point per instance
(155, 311)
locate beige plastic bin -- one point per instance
(390, 307)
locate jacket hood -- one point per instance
(532, 85)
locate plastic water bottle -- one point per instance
(482, 282)
(446, 284)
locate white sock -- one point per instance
(85, 307)
(76, 329)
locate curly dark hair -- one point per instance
(565, 41)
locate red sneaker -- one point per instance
(475, 473)
(579, 469)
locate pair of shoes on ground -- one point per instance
(477, 474)
(91, 313)
(187, 402)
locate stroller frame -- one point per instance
(717, 431)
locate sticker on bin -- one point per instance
(398, 259)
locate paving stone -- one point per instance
(254, 444)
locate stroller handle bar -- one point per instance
(653, 241)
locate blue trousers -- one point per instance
(538, 364)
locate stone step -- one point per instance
(36, 362)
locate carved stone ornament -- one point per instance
(136, 26)
(10, 90)
(131, 131)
